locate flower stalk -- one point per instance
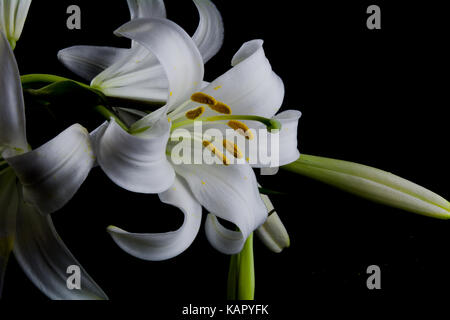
(241, 275)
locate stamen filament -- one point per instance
(233, 149)
(176, 110)
(216, 152)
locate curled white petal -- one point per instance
(146, 9)
(95, 136)
(209, 34)
(52, 173)
(176, 53)
(284, 143)
(88, 61)
(229, 192)
(225, 240)
(45, 259)
(12, 113)
(163, 246)
(137, 163)
(250, 87)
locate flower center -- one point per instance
(182, 118)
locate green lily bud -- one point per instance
(273, 233)
(373, 184)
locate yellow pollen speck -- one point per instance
(217, 88)
(216, 152)
(168, 119)
(203, 98)
(203, 182)
(233, 149)
(241, 128)
(171, 93)
(221, 107)
(247, 159)
(195, 113)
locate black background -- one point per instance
(377, 97)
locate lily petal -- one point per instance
(88, 61)
(95, 136)
(225, 240)
(176, 53)
(52, 173)
(250, 87)
(13, 14)
(8, 210)
(229, 192)
(130, 116)
(137, 163)
(209, 34)
(44, 258)
(12, 112)
(146, 9)
(163, 246)
(287, 141)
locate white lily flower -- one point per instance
(48, 178)
(136, 73)
(13, 14)
(138, 161)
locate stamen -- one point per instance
(195, 113)
(221, 107)
(203, 98)
(233, 149)
(216, 152)
(241, 128)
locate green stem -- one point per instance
(39, 78)
(246, 281)
(108, 114)
(241, 274)
(233, 276)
